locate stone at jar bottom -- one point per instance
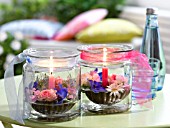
(50, 108)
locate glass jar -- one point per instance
(51, 85)
(106, 78)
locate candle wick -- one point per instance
(51, 73)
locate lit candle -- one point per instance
(51, 82)
(104, 69)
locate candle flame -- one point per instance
(104, 54)
(51, 64)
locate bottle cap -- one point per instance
(151, 10)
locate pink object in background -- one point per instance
(79, 23)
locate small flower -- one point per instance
(15, 45)
(3, 36)
(47, 95)
(121, 79)
(115, 89)
(85, 77)
(118, 85)
(71, 92)
(18, 35)
(9, 58)
(62, 93)
(96, 77)
(58, 80)
(35, 85)
(112, 78)
(96, 86)
(1, 50)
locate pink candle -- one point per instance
(104, 76)
(104, 69)
(51, 81)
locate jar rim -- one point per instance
(56, 53)
(111, 48)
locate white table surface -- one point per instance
(159, 116)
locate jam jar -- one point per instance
(51, 84)
(105, 78)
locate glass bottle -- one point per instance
(152, 45)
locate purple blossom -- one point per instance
(96, 87)
(100, 74)
(35, 85)
(62, 93)
(96, 70)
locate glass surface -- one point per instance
(145, 82)
(51, 83)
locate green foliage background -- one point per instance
(8, 50)
(64, 10)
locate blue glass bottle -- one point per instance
(151, 45)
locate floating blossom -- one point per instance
(3, 36)
(1, 50)
(58, 80)
(117, 83)
(15, 45)
(84, 78)
(96, 86)
(46, 95)
(112, 78)
(71, 92)
(35, 95)
(35, 85)
(96, 77)
(121, 79)
(114, 87)
(62, 93)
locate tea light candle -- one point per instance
(51, 82)
(104, 69)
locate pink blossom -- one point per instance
(121, 79)
(70, 96)
(96, 77)
(71, 92)
(47, 95)
(36, 93)
(117, 82)
(33, 98)
(58, 80)
(92, 72)
(112, 78)
(114, 87)
(85, 77)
